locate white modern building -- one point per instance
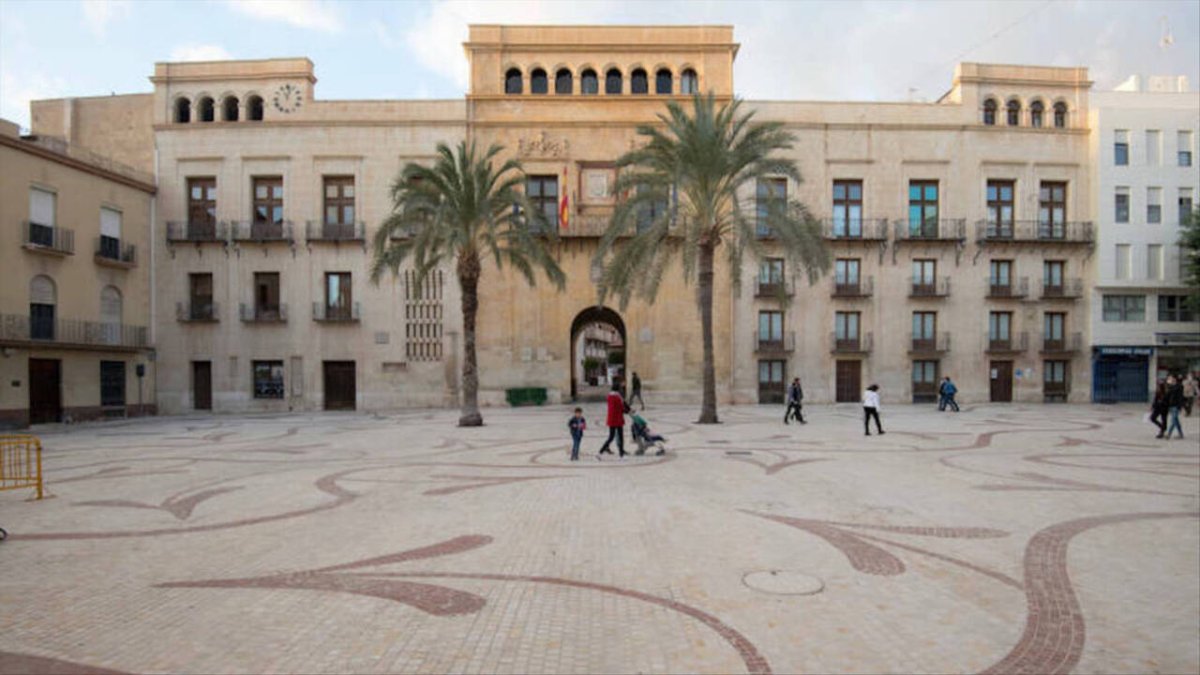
(1145, 181)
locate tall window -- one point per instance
(845, 328)
(924, 329)
(613, 81)
(112, 383)
(1053, 276)
(339, 205)
(1175, 308)
(989, 112)
(538, 83)
(183, 110)
(1037, 111)
(846, 273)
(639, 82)
(1060, 115)
(42, 213)
(771, 194)
(663, 81)
(1153, 147)
(1154, 262)
(206, 110)
(268, 207)
(339, 302)
(589, 83)
(512, 81)
(266, 296)
(1154, 205)
(229, 107)
(923, 209)
(924, 380)
(1056, 375)
(1054, 325)
(1013, 113)
(1000, 329)
(1124, 308)
(770, 326)
(110, 233)
(1000, 276)
(564, 83)
(254, 108)
(649, 212)
(688, 82)
(268, 379)
(110, 314)
(847, 208)
(1185, 206)
(542, 192)
(200, 297)
(1052, 210)
(202, 208)
(1123, 259)
(770, 272)
(42, 300)
(924, 277)
(1183, 154)
(1121, 147)
(1000, 207)
(1121, 205)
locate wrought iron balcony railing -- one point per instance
(71, 332)
(1068, 289)
(1034, 231)
(1063, 344)
(851, 344)
(199, 232)
(1013, 344)
(923, 344)
(781, 343)
(932, 230)
(197, 311)
(1007, 289)
(317, 230)
(110, 251)
(51, 239)
(864, 287)
(327, 313)
(774, 288)
(862, 229)
(262, 231)
(940, 288)
(251, 313)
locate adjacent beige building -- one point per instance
(961, 230)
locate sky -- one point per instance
(877, 50)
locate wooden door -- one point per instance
(849, 381)
(1001, 374)
(339, 385)
(45, 391)
(202, 385)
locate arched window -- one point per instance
(639, 83)
(1013, 110)
(663, 81)
(110, 314)
(563, 82)
(1036, 112)
(205, 109)
(254, 108)
(41, 308)
(1060, 115)
(538, 83)
(688, 82)
(613, 82)
(512, 81)
(989, 112)
(230, 109)
(183, 110)
(589, 83)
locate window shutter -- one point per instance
(41, 207)
(41, 291)
(110, 223)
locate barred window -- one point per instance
(423, 316)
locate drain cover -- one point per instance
(783, 582)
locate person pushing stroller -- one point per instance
(643, 436)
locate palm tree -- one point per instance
(464, 209)
(692, 188)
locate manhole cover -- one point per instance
(783, 582)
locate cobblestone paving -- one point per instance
(1026, 539)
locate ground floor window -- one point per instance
(924, 381)
(268, 379)
(770, 381)
(112, 383)
(1056, 380)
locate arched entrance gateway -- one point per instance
(597, 352)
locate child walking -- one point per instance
(576, 424)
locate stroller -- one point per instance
(644, 437)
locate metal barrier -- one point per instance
(21, 463)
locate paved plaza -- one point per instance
(1033, 539)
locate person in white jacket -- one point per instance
(870, 401)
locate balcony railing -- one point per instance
(1014, 289)
(262, 231)
(940, 288)
(203, 232)
(773, 289)
(48, 239)
(71, 332)
(1066, 344)
(1069, 289)
(336, 313)
(781, 343)
(197, 311)
(1015, 343)
(317, 230)
(933, 230)
(921, 344)
(865, 229)
(863, 288)
(259, 314)
(110, 251)
(1033, 231)
(857, 344)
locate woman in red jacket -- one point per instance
(616, 422)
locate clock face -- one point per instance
(287, 98)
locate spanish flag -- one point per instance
(564, 211)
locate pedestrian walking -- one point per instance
(795, 403)
(636, 391)
(576, 424)
(615, 422)
(1158, 409)
(1191, 391)
(946, 392)
(1174, 405)
(870, 401)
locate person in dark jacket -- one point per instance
(615, 422)
(795, 403)
(636, 391)
(946, 392)
(1174, 405)
(1158, 409)
(577, 424)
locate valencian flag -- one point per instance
(563, 204)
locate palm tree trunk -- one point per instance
(704, 291)
(468, 281)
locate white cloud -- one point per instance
(311, 14)
(199, 52)
(97, 14)
(17, 90)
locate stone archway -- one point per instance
(598, 334)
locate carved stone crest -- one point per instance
(543, 146)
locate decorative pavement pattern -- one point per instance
(1003, 539)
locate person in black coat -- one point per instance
(795, 403)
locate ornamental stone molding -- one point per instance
(543, 146)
